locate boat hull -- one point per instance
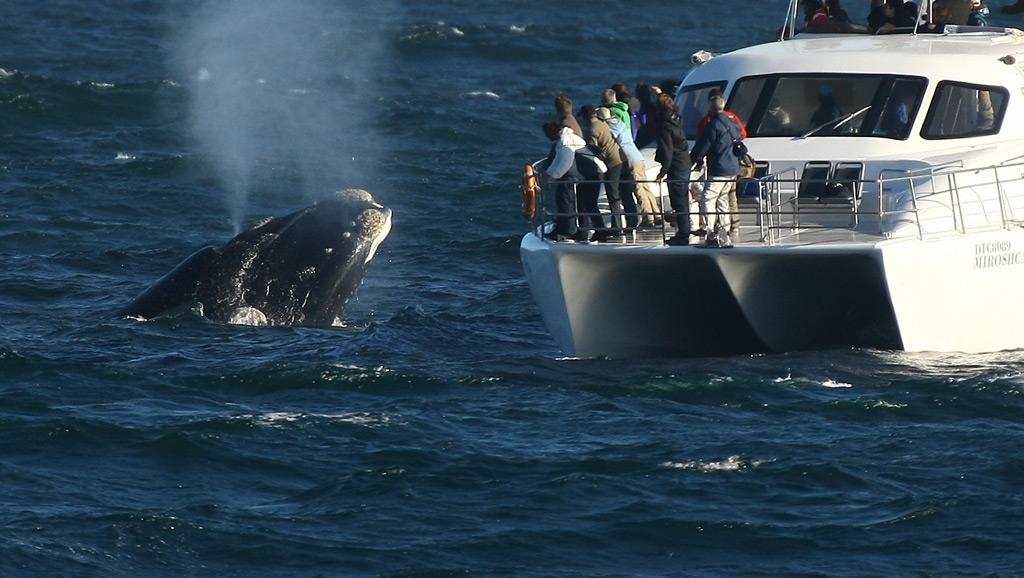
(668, 301)
(961, 293)
(650, 301)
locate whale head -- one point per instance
(300, 269)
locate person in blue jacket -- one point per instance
(716, 142)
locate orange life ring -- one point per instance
(529, 188)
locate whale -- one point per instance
(300, 269)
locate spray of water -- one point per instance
(276, 87)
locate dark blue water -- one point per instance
(439, 433)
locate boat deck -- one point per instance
(761, 227)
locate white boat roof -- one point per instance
(975, 54)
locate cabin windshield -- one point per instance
(810, 105)
(820, 105)
(692, 104)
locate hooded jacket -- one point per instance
(978, 16)
(564, 161)
(621, 111)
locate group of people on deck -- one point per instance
(601, 148)
(891, 15)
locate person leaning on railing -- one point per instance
(562, 163)
(650, 214)
(599, 136)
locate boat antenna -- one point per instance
(789, 26)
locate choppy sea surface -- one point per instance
(439, 432)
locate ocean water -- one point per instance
(439, 432)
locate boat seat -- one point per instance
(813, 181)
(752, 194)
(845, 184)
(750, 189)
(826, 188)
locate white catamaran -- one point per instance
(924, 252)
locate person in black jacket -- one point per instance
(674, 155)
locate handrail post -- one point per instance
(999, 194)
(913, 202)
(880, 183)
(959, 223)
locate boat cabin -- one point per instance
(860, 110)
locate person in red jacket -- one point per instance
(704, 121)
(816, 15)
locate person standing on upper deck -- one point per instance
(563, 106)
(632, 105)
(882, 17)
(597, 134)
(836, 12)
(723, 168)
(592, 167)
(978, 15)
(647, 119)
(674, 157)
(619, 108)
(816, 16)
(637, 184)
(561, 166)
(734, 204)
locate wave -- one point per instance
(47, 101)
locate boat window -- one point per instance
(964, 110)
(692, 104)
(809, 105)
(744, 97)
(899, 107)
(816, 105)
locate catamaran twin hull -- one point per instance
(630, 301)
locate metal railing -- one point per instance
(961, 199)
(931, 200)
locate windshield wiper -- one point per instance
(832, 123)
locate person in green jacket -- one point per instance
(618, 108)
